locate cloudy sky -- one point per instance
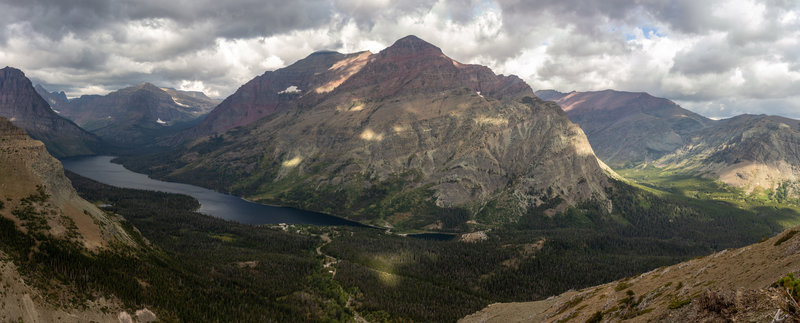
(716, 57)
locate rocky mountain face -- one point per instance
(627, 128)
(25, 108)
(734, 285)
(277, 90)
(747, 151)
(38, 206)
(405, 137)
(136, 114)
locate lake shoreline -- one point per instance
(213, 203)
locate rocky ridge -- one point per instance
(30, 171)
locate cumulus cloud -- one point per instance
(717, 57)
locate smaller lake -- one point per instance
(225, 206)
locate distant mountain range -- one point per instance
(634, 129)
(747, 151)
(134, 115)
(405, 137)
(20, 103)
(628, 127)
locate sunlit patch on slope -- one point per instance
(493, 121)
(292, 162)
(400, 128)
(370, 135)
(346, 68)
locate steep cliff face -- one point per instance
(627, 128)
(392, 137)
(136, 115)
(747, 151)
(20, 103)
(734, 285)
(277, 90)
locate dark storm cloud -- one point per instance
(717, 56)
(231, 19)
(102, 42)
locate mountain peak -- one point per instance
(412, 45)
(9, 71)
(148, 86)
(12, 77)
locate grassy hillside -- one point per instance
(775, 205)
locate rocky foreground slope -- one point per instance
(407, 136)
(734, 285)
(39, 207)
(25, 108)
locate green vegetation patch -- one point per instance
(785, 237)
(226, 237)
(791, 285)
(676, 303)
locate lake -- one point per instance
(225, 206)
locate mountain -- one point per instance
(20, 103)
(746, 151)
(551, 95)
(733, 285)
(134, 115)
(405, 137)
(55, 99)
(41, 215)
(629, 128)
(276, 90)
